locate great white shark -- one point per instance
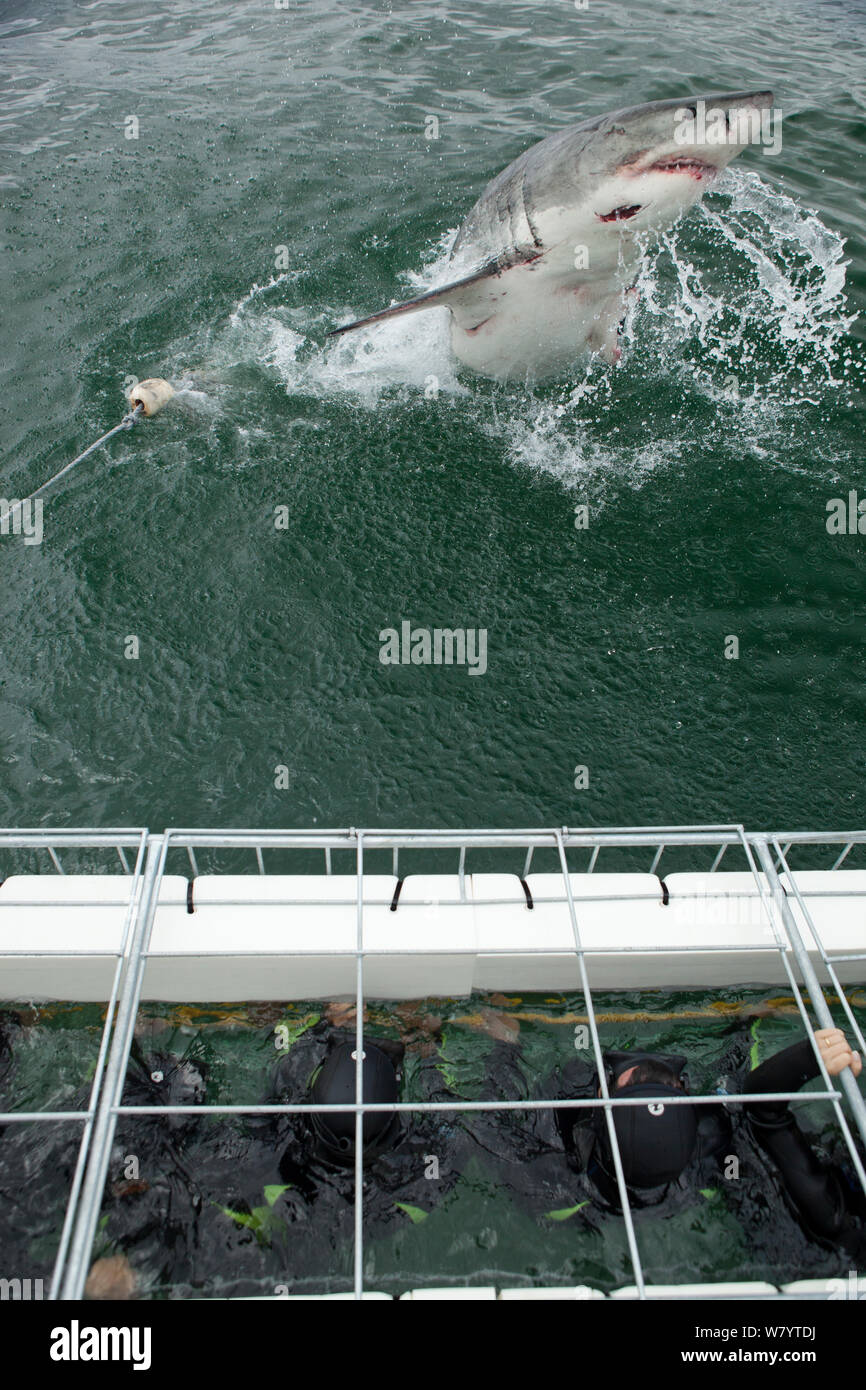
(545, 259)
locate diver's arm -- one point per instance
(814, 1189)
(791, 1069)
(787, 1071)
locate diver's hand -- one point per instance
(836, 1053)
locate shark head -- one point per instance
(644, 166)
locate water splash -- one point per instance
(391, 359)
(287, 277)
(770, 311)
(740, 312)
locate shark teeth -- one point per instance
(697, 168)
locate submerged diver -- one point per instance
(659, 1143)
(320, 1069)
(670, 1152)
(256, 1203)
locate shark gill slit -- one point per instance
(529, 222)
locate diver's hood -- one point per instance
(335, 1082)
(617, 1062)
(656, 1141)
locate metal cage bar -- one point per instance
(99, 1072)
(115, 1072)
(602, 1076)
(843, 856)
(827, 960)
(137, 840)
(816, 996)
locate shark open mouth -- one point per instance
(683, 164)
(620, 214)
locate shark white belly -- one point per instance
(538, 328)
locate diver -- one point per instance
(671, 1152)
(664, 1144)
(318, 1149)
(661, 1145)
(320, 1069)
(253, 1203)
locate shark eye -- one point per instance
(620, 214)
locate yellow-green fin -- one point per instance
(564, 1212)
(415, 1214)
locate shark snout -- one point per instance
(714, 129)
(698, 137)
(760, 101)
(660, 111)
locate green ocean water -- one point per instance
(304, 128)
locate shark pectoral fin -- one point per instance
(470, 296)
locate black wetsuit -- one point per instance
(526, 1149)
(828, 1205)
(251, 1203)
(397, 1172)
(580, 1132)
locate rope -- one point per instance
(126, 424)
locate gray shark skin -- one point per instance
(545, 258)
